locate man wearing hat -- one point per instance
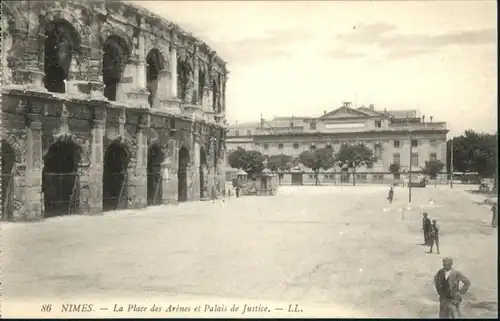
(447, 282)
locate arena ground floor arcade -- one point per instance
(64, 156)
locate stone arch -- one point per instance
(12, 141)
(111, 32)
(155, 63)
(123, 142)
(62, 41)
(155, 157)
(116, 54)
(60, 175)
(67, 16)
(117, 162)
(79, 143)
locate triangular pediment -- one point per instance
(345, 112)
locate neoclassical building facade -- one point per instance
(106, 106)
(401, 137)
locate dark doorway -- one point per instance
(345, 175)
(182, 174)
(61, 40)
(155, 182)
(154, 65)
(8, 168)
(203, 166)
(114, 60)
(297, 179)
(60, 183)
(115, 177)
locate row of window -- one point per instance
(414, 158)
(397, 144)
(414, 143)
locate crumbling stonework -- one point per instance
(89, 89)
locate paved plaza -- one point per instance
(335, 246)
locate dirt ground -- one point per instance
(341, 248)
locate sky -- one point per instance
(301, 58)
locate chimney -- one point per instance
(385, 110)
(372, 106)
(431, 118)
(423, 118)
(346, 104)
(324, 112)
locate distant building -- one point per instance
(388, 133)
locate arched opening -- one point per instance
(60, 43)
(154, 65)
(184, 72)
(60, 183)
(201, 83)
(182, 174)
(215, 88)
(115, 177)
(154, 180)
(8, 167)
(203, 165)
(114, 61)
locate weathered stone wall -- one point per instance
(188, 108)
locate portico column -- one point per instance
(173, 59)
(34, 196)
(95, 170)
(138, 188)
(170, 168)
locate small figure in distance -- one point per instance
(447, 281)
(391, 195)
(426, 226)
(434, 236)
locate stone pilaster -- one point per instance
(139, 188)
(95, 170)
(170, 167)
(95, 65)
(173, 59)
(83, 187)
(34, 197)
(27, 69)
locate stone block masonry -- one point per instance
(104, 107)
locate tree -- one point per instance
(280, 162)
(319, 158)
(251, 161)
(234, 157)
(355, 156)
(432, 168)
(473, 152)
(395, 169)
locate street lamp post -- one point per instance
(451, 165)
(411, 164)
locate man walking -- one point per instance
(494, 219)
(391, 195)
(426, 226)
(447, 282)
(434, 236)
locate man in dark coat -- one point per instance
(434, 236)
(447, 281)
(426, 226)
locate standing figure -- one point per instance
(391, 195)
(447, 282)
(426, 226)
(494, 219)
(214, 194)
(434, 236)
(237, 191)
